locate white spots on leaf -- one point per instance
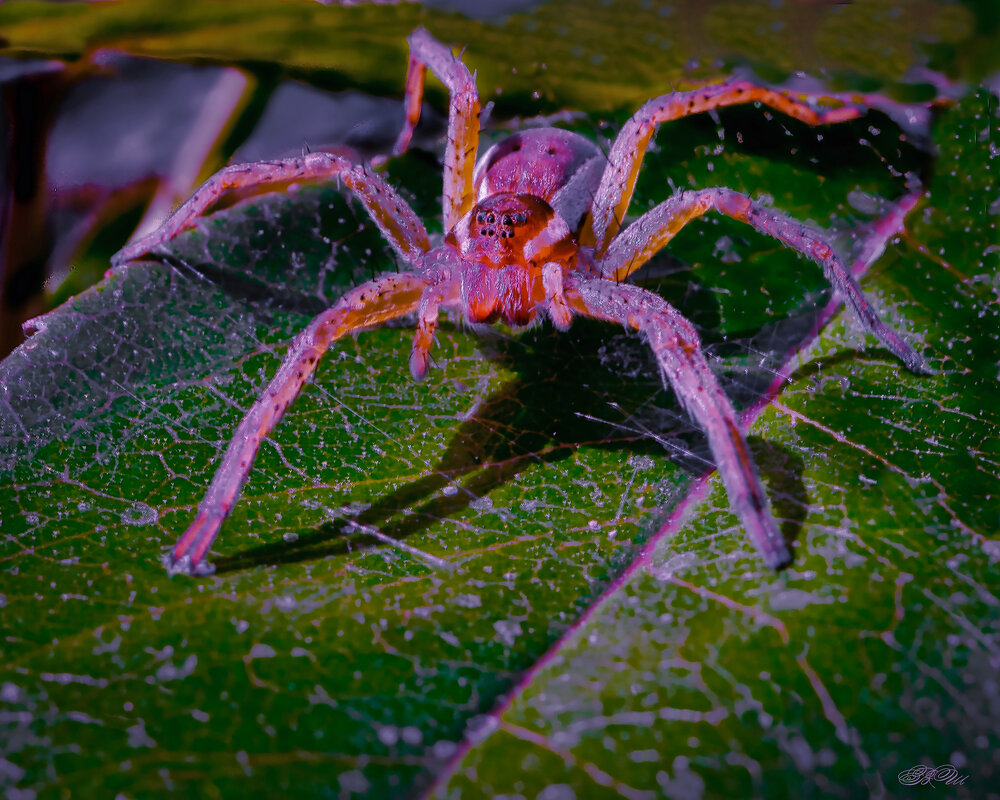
(9, 771)
(262, 651)
(802, 754)
(676, 562)
(170, 672)
(684, 783)
(10, 693)
(865, 202)
(507, 631)
(105, 647)
(991, 550)
(557, 791)
(796, 599)
(354, 782)
(137, 736)
(412, 735)
(390, 735)
(481, 504)
(443, 749)
(469, 601)
(65, 678)
(480, 727)
(139, 514)
(285, 603)
(725, 251)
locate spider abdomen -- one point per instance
(560, 167)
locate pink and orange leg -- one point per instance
(463, 119)
(433, 285)
(366, 306)
(678, 351)
(625, 160)
(401, 227)
(640, 240)
(445, 292)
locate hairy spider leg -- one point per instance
(463, 119)
(555, 296)
(445, 292)
(677, 348)
(618, 182)
(400, 225)
(366, 306)
(641, 239)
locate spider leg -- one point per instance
(618, 182)
(555, 296)
(444, 293)
(677, 349)
(399, 224)
(463, 119)
(368, 305)
(640, 240)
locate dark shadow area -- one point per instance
(865, 146)
(781, 470)
(814, 368)
(516, 427)
(595, 386)
(244, 286)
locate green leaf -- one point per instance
(320, 661)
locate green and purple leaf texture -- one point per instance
(545, 661)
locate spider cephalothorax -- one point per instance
(513, 228)
(505, 241)
(531, 229)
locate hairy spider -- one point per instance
(531, 229)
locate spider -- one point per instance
(533, 229)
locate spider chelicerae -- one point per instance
(533, 228)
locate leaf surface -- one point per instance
(537, 464)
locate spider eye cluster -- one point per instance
(500, 225)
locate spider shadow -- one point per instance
(255, 293)
(617, 401)
(510, 431)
